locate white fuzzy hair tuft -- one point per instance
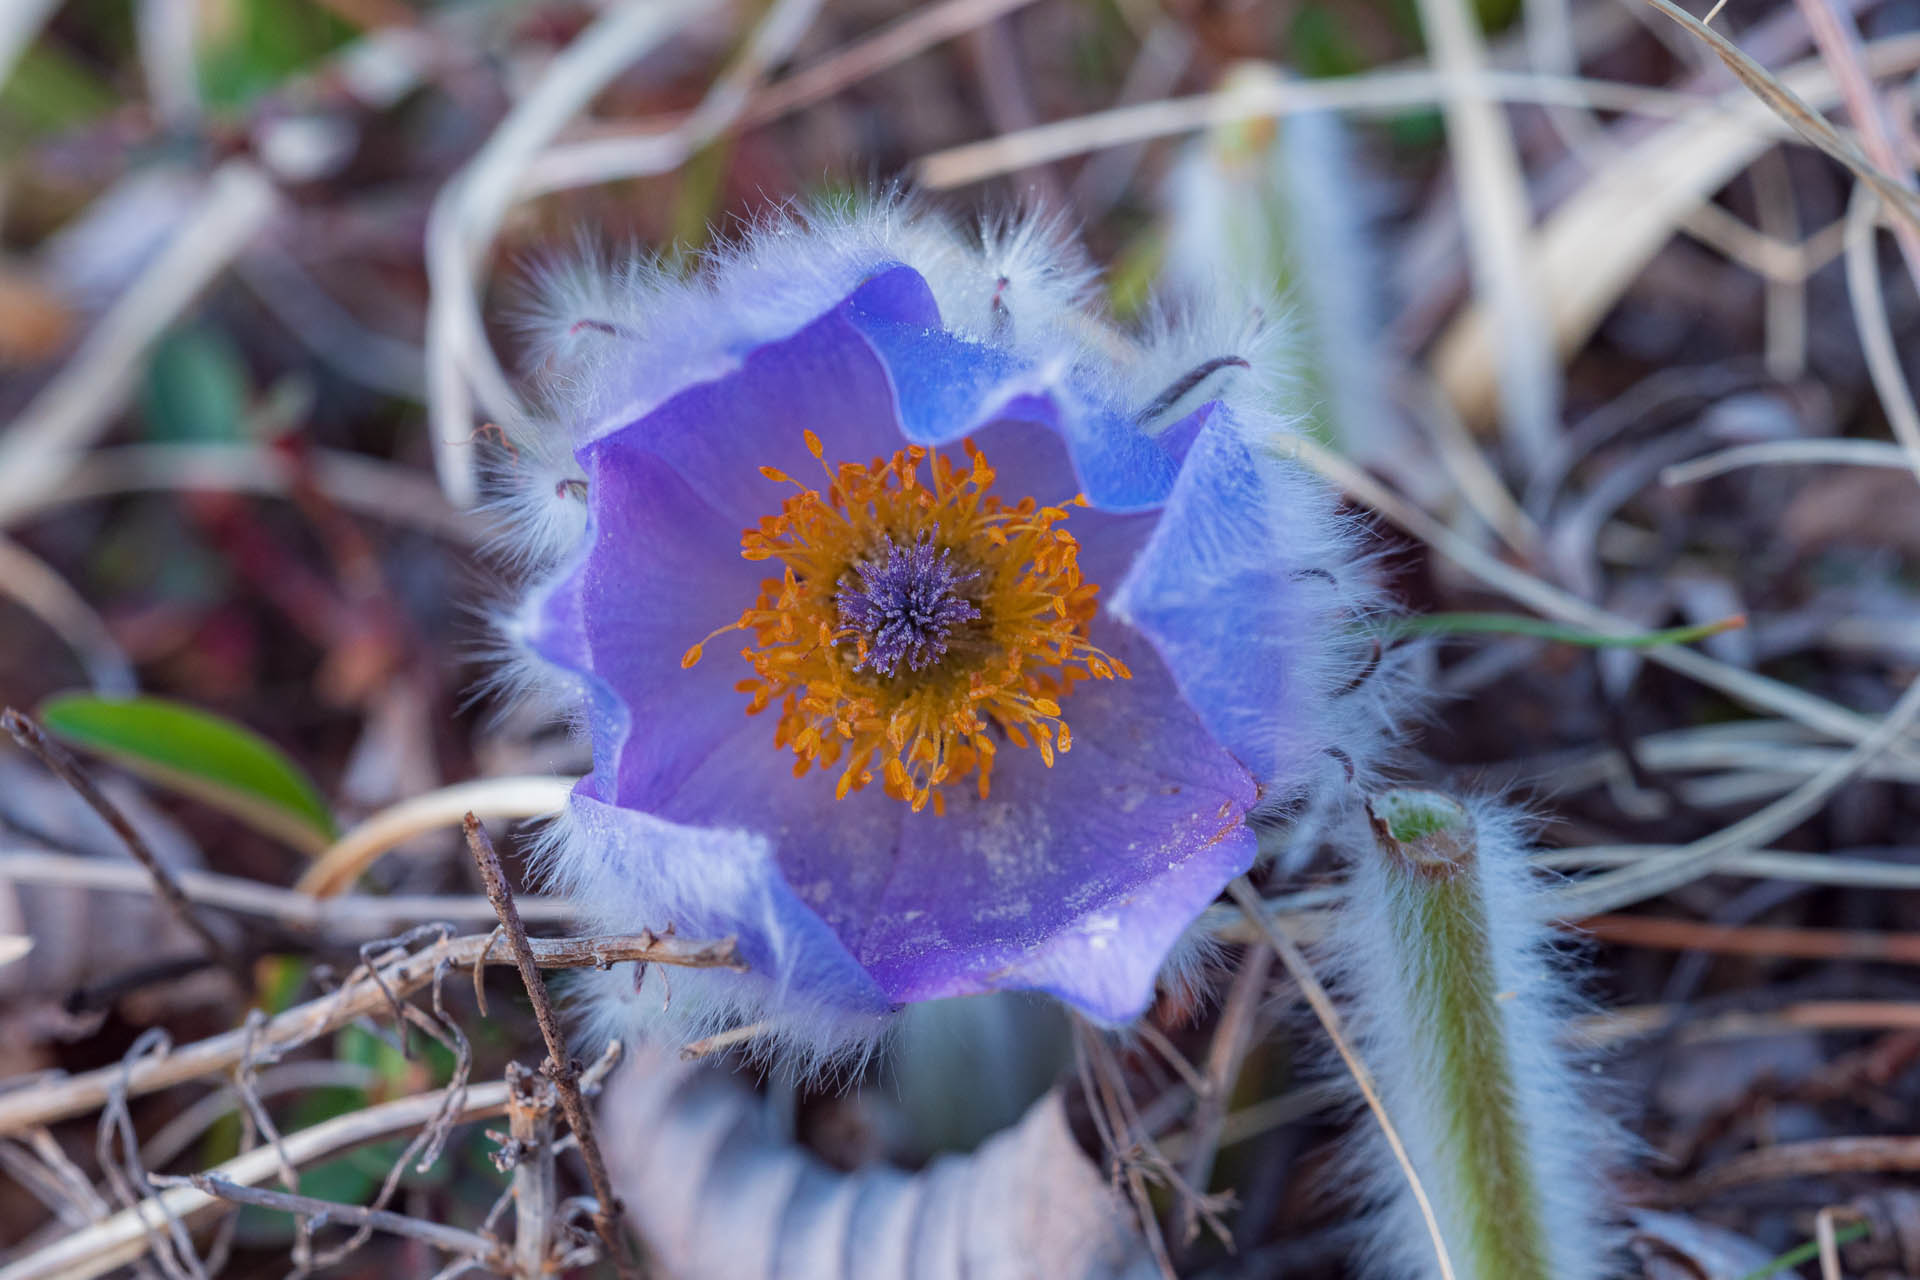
(608, 341)
(802, 1038)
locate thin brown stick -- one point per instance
(488, 1253)
(1224, 1056)
(1838, 40)
(1302, 973)
(917, 31)
(22, 729)
(360, 997)
(124, 1238)
(560, 1066)
(1819, 1158)
(1755, 940)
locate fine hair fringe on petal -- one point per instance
(611, 338)
(802, 1038)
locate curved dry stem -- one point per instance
(350, 856)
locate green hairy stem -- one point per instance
(1437, 906)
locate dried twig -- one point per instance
(347, 917)
(529, 1154)
(1302, 973)
(61, 763)
(1755, 940)
(1231, 1041)
(560, 1067)
(361, 997)
(485, 1252)
(123, 1238)
(1816, 1158)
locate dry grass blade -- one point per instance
(1860, 453)
(1378, 92)
(1876, 334)
(630, 155)
(124, 1238)
(36, 587)
(384, 491)
(469, 211)
(918, 31)
(1598, 241)
(1746, 687)
(1615, 889)
(368, 994)
(353, 917)
(1801, 117)
(1495, 215)
(1839, 43)
(1302, 973)
(45, 442)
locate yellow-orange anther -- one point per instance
(1001, 670)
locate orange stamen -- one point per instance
(1001, 674)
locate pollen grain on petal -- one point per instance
(918, 622)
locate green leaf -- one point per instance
(261, 44)
(1518, 624)
(196, 389)
(205, 756)
(1807, 1252)
(50, 90)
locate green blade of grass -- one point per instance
(1808, 1252)
(1519, 624)
(212, 759)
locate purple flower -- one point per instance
(930, 639)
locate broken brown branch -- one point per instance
(124, 1237)
(360, 997)
(61, 764)
(560, 1067)
(485, 1252)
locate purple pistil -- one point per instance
(905, 602)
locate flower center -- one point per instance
(917, 622)
(904, 606)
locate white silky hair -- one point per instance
(609, 339)
(801, 1036)
(1294, 207)
(1571, 1141)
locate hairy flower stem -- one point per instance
(1455, 1017)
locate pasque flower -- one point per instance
(932, 638)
